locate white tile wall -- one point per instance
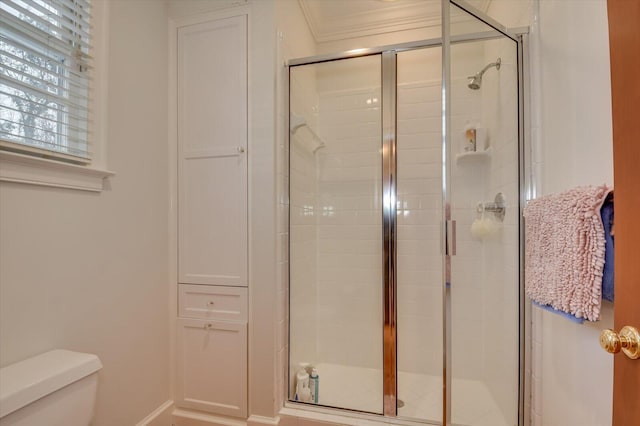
(572, 145)
(349, 227)
(303, 210)
(419, 214)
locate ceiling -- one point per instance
(331, 20)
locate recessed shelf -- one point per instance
(474, 156)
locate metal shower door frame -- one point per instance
(389, 179)
(389, 206)
(526, 186)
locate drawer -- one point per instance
(212, 302)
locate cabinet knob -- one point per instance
(210, 303)
(208, 326)
(241, 149)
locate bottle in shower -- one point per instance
(314, 385)
(470, 139)
(303, 393)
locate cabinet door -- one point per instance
(212, 366)
(212, 159)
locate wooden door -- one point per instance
(624, 40)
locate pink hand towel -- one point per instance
(564, 251)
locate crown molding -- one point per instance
(359, 22)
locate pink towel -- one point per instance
(564, 251)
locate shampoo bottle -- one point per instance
(469, 139)
(302, 384)
(314, 385)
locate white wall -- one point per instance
(573, 376)
(88, 272)
(571, 133)
(265, 249)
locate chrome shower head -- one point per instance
(475, 81)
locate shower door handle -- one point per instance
(450, 237)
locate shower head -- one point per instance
(475, 81)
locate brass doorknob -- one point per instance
(628, 340)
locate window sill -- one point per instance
(40, 171)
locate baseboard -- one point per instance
(182, 417)
(262, 420)
(161, 416)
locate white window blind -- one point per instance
(44, 77)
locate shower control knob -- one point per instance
(628, 340)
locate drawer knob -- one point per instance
(210, 303)
(208, 326)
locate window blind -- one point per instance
(44, 77)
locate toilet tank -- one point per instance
(56, 388)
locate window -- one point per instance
(44, 78)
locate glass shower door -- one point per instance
(336, 276)
(483, 297)
(420, 274)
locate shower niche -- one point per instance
(396, 308)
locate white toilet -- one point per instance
(56, 388)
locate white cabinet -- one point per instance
(212, 350)
(212, 366)
(212, 157)
(211, 120)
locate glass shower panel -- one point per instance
(484, 194)
(464, 25)
(335, 239)
(419, 215)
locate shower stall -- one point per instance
(405, 191)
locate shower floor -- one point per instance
(359, 389)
